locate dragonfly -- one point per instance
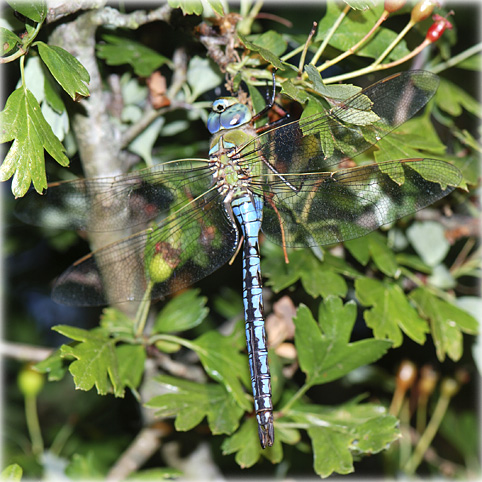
(189, 217)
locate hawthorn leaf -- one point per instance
(191, 402)
(183, 312)
(324, 351)
(96, 362)
(391, 313)
(66, 69)
(447, 323)
(23, 122)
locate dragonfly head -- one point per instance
(227, 113)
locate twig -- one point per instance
(139, 451)
(24, 352)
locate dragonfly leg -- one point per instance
(283, 239)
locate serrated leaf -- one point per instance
(119, 51)
(35, 10)
(391, 313)
(337, 433)
(190, 402)
(185, 311)
(22, 122)
(188, 7)
(330, 451)
(12, 473)
(8, 40)
(224, 363)
(96, 363)
(447, 323)
(323, 282)
(324, 351)
(131, 360)
(65, 69)
(245, 443)
(452, 99)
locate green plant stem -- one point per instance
(295, 397)
(330, 34)
(405, 444)
(456, 59)
(428, 435)
(23, 49)
(61, 438)
(399, 37)
(33, 425)
(355, 47)
(143, 310)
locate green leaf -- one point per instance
(222, 360)
(96, 362)
(270, 40)
(190, 402)
(24, 124)
(55, 366)
(188, 7)
(323, 282)
(120, 50)
(354, 27)
(8, 40)
(337, 433)
(331, 451)
(66, 69)
(391, 313)
(185, 311)
(324, 351)
(245, 443)
(295, 92)
(337, 91)
(359, 249)
(267, 55)
(382, 255)
(452, 99)
(131, 360)
(35, 10)
(12, 473)
(202, 75)
(447, 322)
(84, 467)
(117, 323)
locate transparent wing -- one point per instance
(188, 245)
(116, 203)
(330, 207)
(320, 142)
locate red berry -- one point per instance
(437, 28)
